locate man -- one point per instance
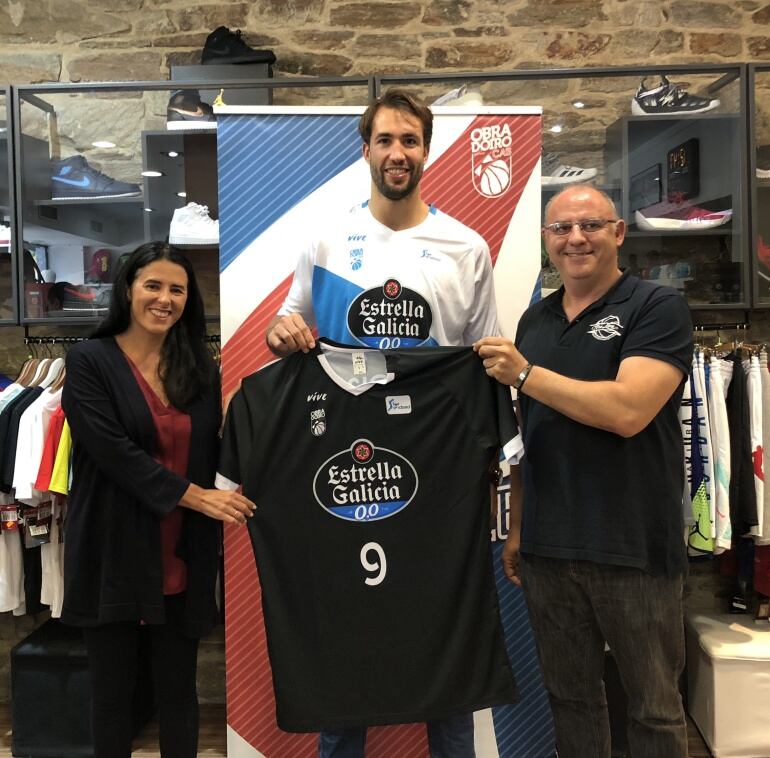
(599, 366)
(393, 272)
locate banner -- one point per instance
(282, 173)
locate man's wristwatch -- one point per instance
(518, 382)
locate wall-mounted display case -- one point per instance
(8, 313)
(103, 168)
(759, 180)
(665, 143)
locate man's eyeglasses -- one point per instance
(587, 226)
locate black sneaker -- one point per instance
(666, 99)
(223, 46)
(186, 110)
(73, 179)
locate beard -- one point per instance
(396, 193)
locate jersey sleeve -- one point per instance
(483, 320)
(300, 297)
(488, 407)
(235, 449)
(663, 331)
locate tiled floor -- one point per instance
(212, 743)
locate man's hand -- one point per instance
(510, 556)
(288, 334)
(502, 360)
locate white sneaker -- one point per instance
(192, 225)
(5, 234)
(554, 173)
(467, 94)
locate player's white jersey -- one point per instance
(361, 283)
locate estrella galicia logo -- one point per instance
(606, 328)
(365, 483)
(390, 316)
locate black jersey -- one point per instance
(370, 472)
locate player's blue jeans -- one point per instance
(447, 738)
(574, 607)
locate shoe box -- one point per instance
(228, 72)
(36, 170)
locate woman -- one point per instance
(142, 534)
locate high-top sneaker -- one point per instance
(224, 46)
(666, 99)
(186, 110)
(192, 225)
(73, 178)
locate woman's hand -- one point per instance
(224, 505)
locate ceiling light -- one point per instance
(578, 104)
(172, 154)
(103, 143)
(181, 194)
(152, 173)
(556, 128)
(149, 210)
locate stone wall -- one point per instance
(115, 40)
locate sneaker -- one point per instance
(678, 217)
(763, 253)
(73, 179)
(666, 99)
(5, 234)
(79, 297)
(554, 173)
(224, 46)
(186, 110)
(192, 225)
(467, 94)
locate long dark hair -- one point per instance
(186, 368)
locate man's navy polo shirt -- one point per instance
(591, 494)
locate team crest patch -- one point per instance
(318, 422)
(356, 258)
(365, 483)
(491, 159)
(390, 316)
(606, 328)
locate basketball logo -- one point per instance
(493, 177)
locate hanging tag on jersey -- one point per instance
(359, 364)
(9, 517)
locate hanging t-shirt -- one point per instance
(370, 471)
(754, 397)
(720, 448)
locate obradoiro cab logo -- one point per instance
(491, 159)
(365, 483)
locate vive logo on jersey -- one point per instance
(491, 159)
(390, 316)
(606, 328)
(316, 396)
(365, 483)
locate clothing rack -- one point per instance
(721, 327)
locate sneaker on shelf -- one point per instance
(554, 173)
(79, 297)
(192, 225)
(225, 46)
(186, 110)
(763, 173)
(73, 179)
(679, 217)
(666, 99)
(5, 234)
(467, 94)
